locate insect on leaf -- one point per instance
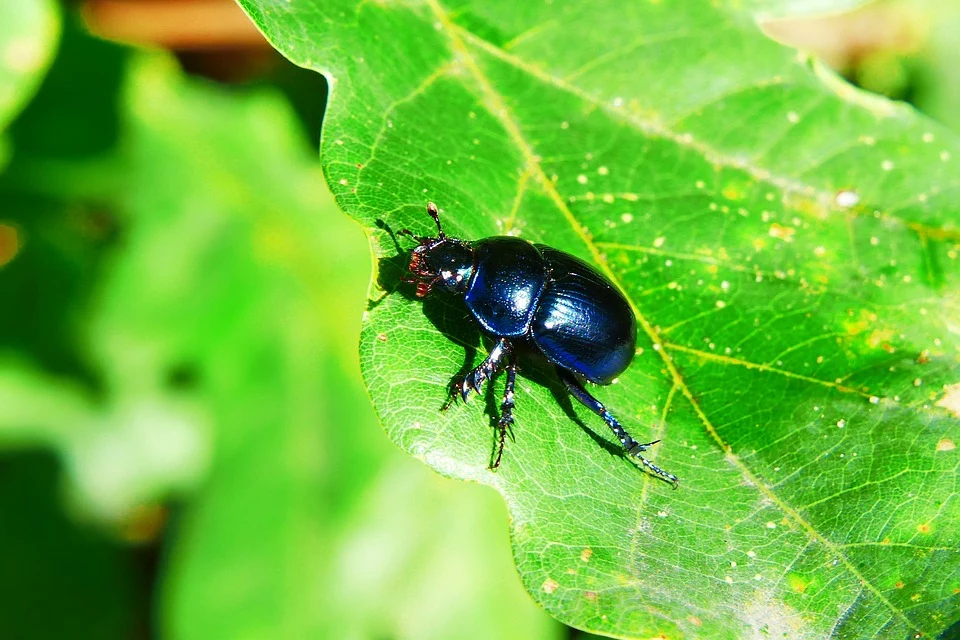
(788, 243)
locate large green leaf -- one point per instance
(788, 243)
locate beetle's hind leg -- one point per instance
(633, 448)
(473, 381)
(505, 424)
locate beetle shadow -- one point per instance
(536, 369)
(445, 312)
(391, 270)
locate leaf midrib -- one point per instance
(824, 199)
(501, 112)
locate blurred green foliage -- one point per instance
(28, 35)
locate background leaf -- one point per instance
(71, 566)
(122, 445)
(789, 244)
(28, 38)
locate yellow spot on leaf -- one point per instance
(797, 583)
(879, 337)
(549, 586)
(950, 401)
(859, 323)
(946, 444)
(781, 232)
(732, 192)
(585, 555)
(806, 205)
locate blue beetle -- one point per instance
(532, 295)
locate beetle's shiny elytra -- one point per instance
(560, 306)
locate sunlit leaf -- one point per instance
(789, 245)
(28, 39)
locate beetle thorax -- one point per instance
(442, 262)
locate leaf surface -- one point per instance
(788, 243)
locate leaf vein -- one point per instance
(825, 199)
(499, 109)
(706, 355)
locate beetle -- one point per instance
(532, 296)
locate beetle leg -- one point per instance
(632, 447)
(487, 369)
(505, 425)
(474, 380)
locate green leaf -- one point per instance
(60, 196)
(789, 245)
(118, 454)
(122, 446)
(28, 38)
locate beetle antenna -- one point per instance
(435, 214)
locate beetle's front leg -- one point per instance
(505, 424)
(474, 380)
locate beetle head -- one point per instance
(440, 261)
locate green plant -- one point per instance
(789, 244)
